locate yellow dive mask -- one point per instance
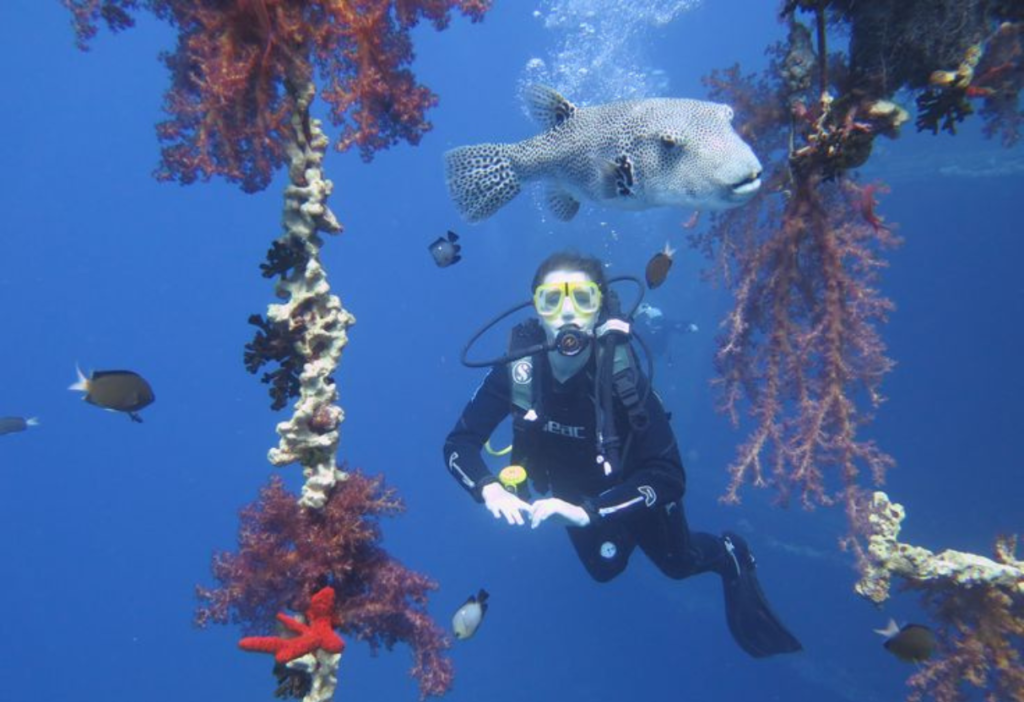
(549, 297)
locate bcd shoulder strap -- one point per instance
(524, 391)
(626, 382)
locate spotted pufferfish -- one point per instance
(631, 155)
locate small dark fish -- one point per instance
(657, 267)
(445, 251)
(912, 643)
(117, 391)
(468, 618)
(10, 425)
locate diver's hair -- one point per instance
(569, 260)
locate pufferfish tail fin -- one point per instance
(481, 179)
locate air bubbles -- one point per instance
(598, 53)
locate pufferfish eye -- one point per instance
(671, 143)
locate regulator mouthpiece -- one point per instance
(571, 340)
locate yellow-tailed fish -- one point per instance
(658, 267)
(117, 391)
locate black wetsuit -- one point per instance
(640, 504)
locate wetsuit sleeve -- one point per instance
(490, 404)
(654, 474)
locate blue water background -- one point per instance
(107, 525)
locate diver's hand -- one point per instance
(503, 503)
(552, 506)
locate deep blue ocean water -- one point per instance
(107, 525)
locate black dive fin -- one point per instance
(752, 622)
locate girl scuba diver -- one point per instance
(592, 440)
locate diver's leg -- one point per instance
(679, 553)
(665, 538)
(753, 623)
(603, 549)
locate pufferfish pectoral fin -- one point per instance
(618, 177)
(547, 106)
(562, 205)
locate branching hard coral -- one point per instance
(287, 552)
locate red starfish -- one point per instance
(318, 632)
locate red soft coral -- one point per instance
(286, 552)
(237, 61)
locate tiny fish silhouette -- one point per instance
(117, 391)
(445, 251)
(10, 425)
(467, 619)
(658, 266)
(911, 643)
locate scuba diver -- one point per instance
(657, 330)
(588, 431)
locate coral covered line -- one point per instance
(312, 319)
(887, 556)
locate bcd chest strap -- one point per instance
(621, 377)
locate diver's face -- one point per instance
(568, 313)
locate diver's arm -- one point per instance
(658, 478)
(542, 510)
(489, 405)
(503, 504)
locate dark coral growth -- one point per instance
(942, 109)
(284, 258)
(286, 552)
(955, 51)
(275, 343)
(951, 52)
(897, 44)
(999, 79)
(228, 103)
(982, 634)
(292, 683)
(992, 72)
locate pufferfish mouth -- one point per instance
(748, 186)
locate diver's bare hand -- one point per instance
(503, 503)
(552, 506)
